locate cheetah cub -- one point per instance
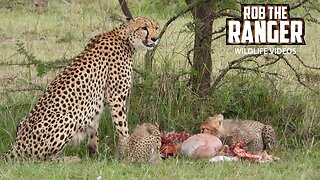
(144, 144)
(256, 136)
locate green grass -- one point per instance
(61, 33)
(297, 164)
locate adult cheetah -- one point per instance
(71, 106)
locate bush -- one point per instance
(166, 99)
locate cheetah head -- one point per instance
(143, 32)
(213, 125)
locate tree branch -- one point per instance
(220, 30)
(225, 14)
(218, 37)
(314, 6)
(269, 63)
(228, 68)
(308, 16)
(38, 88)
(296, 73)
(298, 4)
(256, 70)
(305, 65)
(150, 54)
(125, 9)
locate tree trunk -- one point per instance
(202, 62)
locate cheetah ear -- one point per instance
(156, 124)
(220, 117)
(126, 19)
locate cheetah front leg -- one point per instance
(119, 118)
(117, 92)
(117, 104)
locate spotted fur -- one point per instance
(256, 136)
(70, 108)
(144, 144)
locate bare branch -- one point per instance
(188, 57)
(217, 31)
(218, 37)
(308, 16)
(125, 9)
(244, 58)
(226, 14)
(313, 20)
(51, 65)
(314, 6)
(235, 64)
(189, 8)
(230, 10)
(38, 88)
(220, 30)
(298, 4)
(269, 63)
(256, 70)
(297, 74)
(150, 54)
(307, 66)
(228, 68)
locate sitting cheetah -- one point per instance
(255, 135)
(144, 144)
(71, 106)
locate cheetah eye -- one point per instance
(157, 28)
(204, 130)
(144, 28)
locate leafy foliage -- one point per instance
(42, 67)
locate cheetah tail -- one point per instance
(268, 137)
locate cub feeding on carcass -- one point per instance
(256, 136)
